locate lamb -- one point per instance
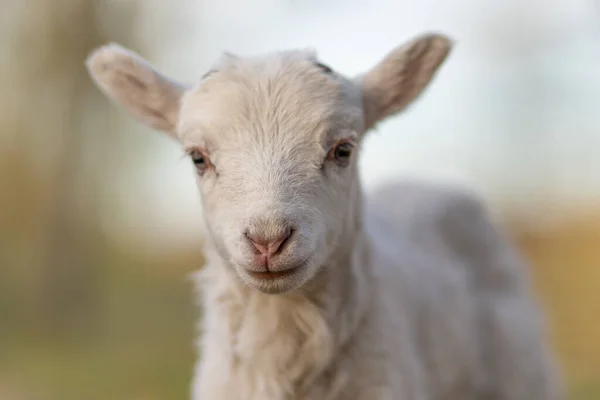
(310, 290)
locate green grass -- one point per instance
(141, 347)
(586, 391)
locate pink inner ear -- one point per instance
(136, 82)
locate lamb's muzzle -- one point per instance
(269, 259)
(268, 244)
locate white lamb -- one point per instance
(311, 292)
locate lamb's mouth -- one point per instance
(273, 275)
(269, 275)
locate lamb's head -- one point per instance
(274, 141)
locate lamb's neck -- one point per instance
(298, 332)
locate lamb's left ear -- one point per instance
(401, 76)
(130, 81)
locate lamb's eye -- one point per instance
(341, 153)
(200, 161)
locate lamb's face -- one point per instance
(275, 143)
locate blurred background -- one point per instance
(100, 219)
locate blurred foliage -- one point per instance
(566, 271)
(80, 317)
(84, 317)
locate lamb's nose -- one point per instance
(268, 246)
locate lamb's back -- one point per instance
(443, 257)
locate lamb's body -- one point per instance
(429, 302)
(310, 293)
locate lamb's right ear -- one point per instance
(130, 81)
(402, 75)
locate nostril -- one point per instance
(269, 246)
(278, 244)
(259, 246)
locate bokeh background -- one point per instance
(100, 220)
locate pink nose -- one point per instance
(268, 247)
